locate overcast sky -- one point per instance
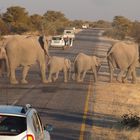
(80, 9)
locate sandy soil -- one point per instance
(112, 100)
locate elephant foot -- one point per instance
(54, 79)
(14, 82)
(23, 81)
(79, 81)
(124, 80)
(45, 81)
(119, 80)
(49, 81)
(134, 82)
(65, 81)
(95, 81)
(73, 77)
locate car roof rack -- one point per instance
(25, 108)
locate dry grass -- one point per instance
(111, 102)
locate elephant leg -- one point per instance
(133, 72)
(1, 68)
(128, 74)
(134, 76)
(73, 76)
(13, 79)
(65, 75)
(94, 74)
(43, 72)
(78, 76)
(120, 76)
(111, 70)
(56, 76)
(24, 74)
(50, 77)
(83, 76)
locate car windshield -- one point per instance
(56, 38)
(68, 32)
(12, 125)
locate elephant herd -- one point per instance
(26, 51)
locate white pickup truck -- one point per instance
(69, 34)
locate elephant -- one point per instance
(25, 51)
(57, 64)
(4, 66)
(124, 56)
(84, 63)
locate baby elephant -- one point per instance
(57, 64)
(84, 63)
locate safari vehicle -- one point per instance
(69, 33)
(22, 123)
(57, 41)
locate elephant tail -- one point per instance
(75, 68)
(110, 51)
(74, 71)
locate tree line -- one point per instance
(16, 20)
(122, 28)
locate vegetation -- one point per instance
(130, 120)
(121, 27)
(17, 20)
(101, 24)
(135, 32)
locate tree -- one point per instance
(122, 25)
(102, 24)
(17, 18)
(3, 28)
(77, 23)
(37, 21)
(55, 22)
(135, 32)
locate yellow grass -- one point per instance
(111, 102)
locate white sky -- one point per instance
(80, 9)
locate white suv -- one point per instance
(21, 123)
(57, 41)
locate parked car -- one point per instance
(57, 41)
(22, 123)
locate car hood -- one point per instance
(21, 136)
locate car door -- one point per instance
(39, 135)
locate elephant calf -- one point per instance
(57, 64)
(84, 63)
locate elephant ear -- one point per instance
(67, 63)
(43, 44)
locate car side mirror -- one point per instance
(48, 127)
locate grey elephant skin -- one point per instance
(124, 56)
(84, 63)
(25, 51)
(57, 64)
